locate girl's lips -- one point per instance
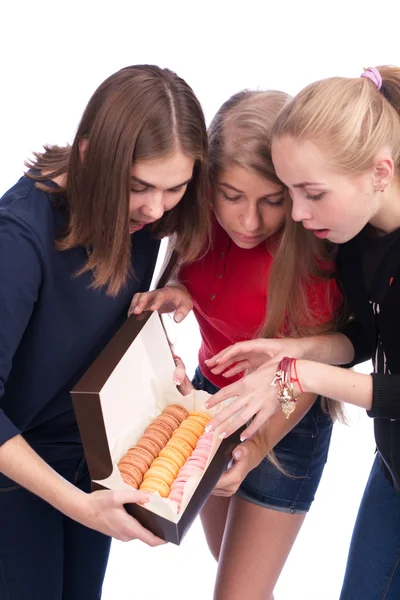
(321, 233)
(135, 226)
(249, 239)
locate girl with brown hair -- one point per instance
(79, 235)
(336, 146)
(259, 505)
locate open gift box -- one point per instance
(121, 393)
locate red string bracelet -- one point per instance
(297, 380)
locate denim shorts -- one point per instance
(302, 454)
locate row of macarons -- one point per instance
(154, 462)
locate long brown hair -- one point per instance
(241, 134)
(141, 112)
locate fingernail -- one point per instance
(237, 454)
(222, 435)
(208, 428)
(178, 318)
(207, 359)
(206, 405)
(177, 381)
(243, 438)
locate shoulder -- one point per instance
(28, 209)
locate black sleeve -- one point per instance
(385, 396)
(20, 280)
(355, 333)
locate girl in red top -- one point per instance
(260, 503)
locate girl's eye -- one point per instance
(275, 203)
(138, 191)
(316, 196)
(230, 198)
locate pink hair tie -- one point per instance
(374, 75)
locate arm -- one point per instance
(20, 281)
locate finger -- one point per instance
(238, 368)
(261, 417)
(228, 353)
(121, 497)
(137, 531)
(183, 311)
(180, 372)
(186, 387)
(228, 391)
(222, 423)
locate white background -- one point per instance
(54, 54)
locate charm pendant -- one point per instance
(288, 407)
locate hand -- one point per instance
(105, 512)
(246, 457)
(254, 353)
(253, 396)
(168, 299)
(181, 380)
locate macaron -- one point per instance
(160, 473)
(176, 496)
(181, 446)
(179, 483)
(154, 484)
(172, 454)
(126, 478)
(168, 420)
(138, 462)
(200, 417)
(129, 471)
(193, 426)
(177, 411)
(183, 434)
(150, 446)
(197, 461)
(167, 464)
(189, 470)
(141, 453)
(161, 427)
(157, 437)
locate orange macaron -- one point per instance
(188, 436)
(174, 455)
(181, 446)
(166, 463)
(153, 484)
(193, 426)
(160, 473)
(200, 417)
(177, 411)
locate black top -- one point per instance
(52, 324)
(369, 269)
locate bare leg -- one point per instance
(256, 544)
(213, 518)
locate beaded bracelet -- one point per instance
(284, 382)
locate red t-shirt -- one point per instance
(229, 290)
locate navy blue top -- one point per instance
(52, 325)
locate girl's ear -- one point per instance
(383, 171)
(83, 144)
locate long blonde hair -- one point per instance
(350, 117)
(241, 134)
